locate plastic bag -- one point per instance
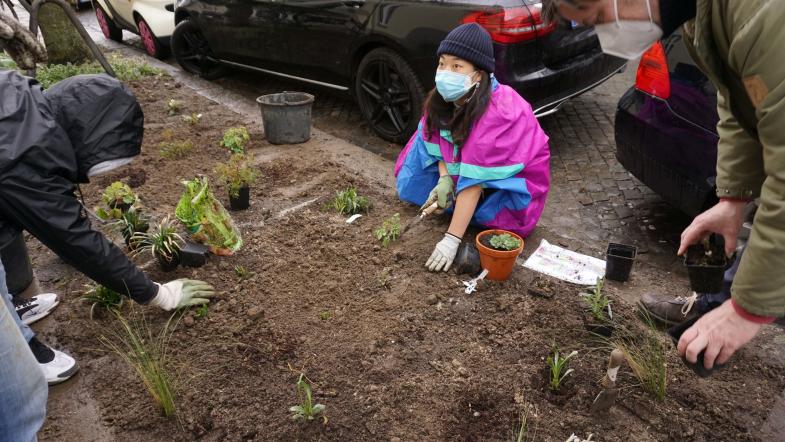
(206, 219)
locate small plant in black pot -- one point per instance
(706, 262)
(130, 223)
(597, 315)
(163, 243)
(238, 174)
(118, 198)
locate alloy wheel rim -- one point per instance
(102, 23)
(196, 52)
(388, 97)
(148, 40)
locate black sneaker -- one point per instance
(56, 365)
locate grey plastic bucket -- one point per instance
(286, 117)
(18, 269)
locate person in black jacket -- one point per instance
(50, 140)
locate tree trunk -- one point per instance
(63, 43)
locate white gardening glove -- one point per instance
(444, 253)
(182, 293)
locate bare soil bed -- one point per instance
(394, 352)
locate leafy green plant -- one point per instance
(131, 222)
(202, 311)
(237, 173)
(325, 315)
(348, 202)
(235, 139)
(598, 302)
(173, 106)
(102, 298)
(645, 354)
(163, 242)
(241, 272)
(192, 119)
(126, 69)
(559, 368)
(174, 149)
(505, 241)
(147, 355)
(389, 231)
(118, 194)
(206, 219)
(306, 410)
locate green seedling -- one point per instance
(118, 194)
(325, 315)
(172, 150)
(307, 410)
(347, 202)
(235, 139)
(645, 354)
(174, 106)
(202, 311)
(598, 302)
(385, 278)
(505, 241)
(147, 355)
(237, 173)
(241, 272)
(193, 119)
(102, 298)
(559, 369)
(131, 222)
(163, 242)
(389, 231)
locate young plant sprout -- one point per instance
(102, 298)
(237, 173)
(347, 202)
(173, 106)
(325, 315)
(172, 150)
(202, 311)
(119, 195)
(241, 272)
(235, 139)
(163, 242)
(559, 371)
(598, 302)
(192, 119)
(505, 241)
(389, 231)
(307, 410)
(131, 222)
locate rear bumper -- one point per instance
(670, 155)
(549, 87)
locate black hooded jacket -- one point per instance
(48, 142)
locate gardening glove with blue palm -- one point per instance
(182, 293)
(441, 194)
(444, 253)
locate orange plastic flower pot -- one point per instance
(498, 263)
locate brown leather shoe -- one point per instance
(667, 309)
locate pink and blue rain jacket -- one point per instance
(506, 153)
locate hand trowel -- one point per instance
(607, 397)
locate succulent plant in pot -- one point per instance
(130, 223)
(163, 242)
(238, 174)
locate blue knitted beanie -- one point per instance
(472, 43)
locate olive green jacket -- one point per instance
(740, 45)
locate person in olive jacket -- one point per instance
(739, 45)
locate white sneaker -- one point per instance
(37, 307)
(56, 365)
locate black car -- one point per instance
(666, 127)
(383, 51)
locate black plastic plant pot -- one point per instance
(706, 266)
(124, 207)
(618, 261)
(467, 260)
(170, 264)
(193, 254)
(675, 333)
(242, 201)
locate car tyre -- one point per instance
(389, 94)
(193, 53)
(152, 45)
(108, 27)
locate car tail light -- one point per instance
(512, 25)
(653, 77)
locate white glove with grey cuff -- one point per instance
(444, 253)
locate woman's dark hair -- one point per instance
(439, 114)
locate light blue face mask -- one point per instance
(453, 85)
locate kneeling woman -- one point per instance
(478, 145)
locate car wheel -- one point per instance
(152, 45)
(193, 53)
(108, 27)
(389, 94)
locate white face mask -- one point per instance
(628, 39)
(108, 166)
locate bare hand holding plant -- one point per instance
(725, 218)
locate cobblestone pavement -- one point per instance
(593, 199)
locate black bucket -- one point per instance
(286, 117)
(618, 261)
(18, 269)
(706, 277)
